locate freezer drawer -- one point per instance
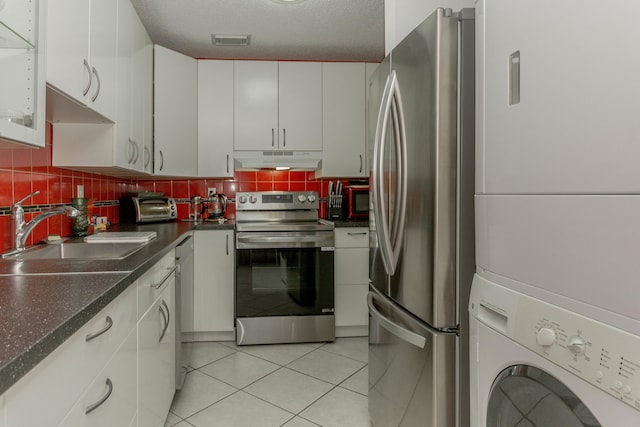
(411, 369)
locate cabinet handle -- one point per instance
(95, 95)
(227, 236)
(109, 324)
(131, 151)
(227, 163)
(284, 137)
(357, 234)
(148, 154)
(161, 159)
(164, 279)
(86, 89)
(361, 164)
(273, 138)
(103, 399)
(136, 151)
(166, 317)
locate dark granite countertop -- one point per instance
(43, 302)
(354, 223)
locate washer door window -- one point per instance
(524, 396)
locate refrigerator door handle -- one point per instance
(397, 330)
(399, 219)
(379, 208)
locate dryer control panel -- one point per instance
(605, 356)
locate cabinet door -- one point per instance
(214, 272)
(343, 120)
(110, 400)
(573, 128)
(124, 148)
(102, 57)
(256, 105)
(300, 106)
(156, 360)
(215, 118)
(175, 116)
(141, 96)
(147, 104)
(22, 58)
(68, 67)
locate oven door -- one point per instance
(284, 273)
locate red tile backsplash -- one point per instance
(23, 170)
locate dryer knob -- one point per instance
(576, 345)
(546, 337)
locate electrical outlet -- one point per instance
(211, 191)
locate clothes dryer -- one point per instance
(535, 364)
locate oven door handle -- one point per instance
(280, 241)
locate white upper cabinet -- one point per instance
(22, 65)
(175, 116)
(343, 120)
(300, 106)
(278, 106)
(557, 103)
(81, 55)
(215, 118)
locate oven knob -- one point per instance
(243, 199)
(302, 198)
(576, 345)
(311, 198)
(253, 199)
(546, 337)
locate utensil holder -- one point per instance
(80, 224)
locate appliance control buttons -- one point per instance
(546, 337)
(253, 199)
(626, 389)
(302, 198)
(599, 375)
(576, 345)
(243, 199)
(311, 198)
(617, 385)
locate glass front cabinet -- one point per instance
(22, 78)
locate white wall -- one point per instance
(402, 16)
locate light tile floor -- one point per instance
(291, 385)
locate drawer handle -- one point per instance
(164, 279)
(166, 317)
(103, 399)
(109, 324)
(358, 234)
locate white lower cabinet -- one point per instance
(351, 275)
(122, 362)
(110, 400)
(156, 359)
(213, 292)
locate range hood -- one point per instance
(307, 160)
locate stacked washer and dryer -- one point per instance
(554, 307)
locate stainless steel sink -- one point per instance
(79, 251)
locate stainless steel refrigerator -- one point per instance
(421, 141)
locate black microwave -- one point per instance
(357, 202)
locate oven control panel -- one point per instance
(276, 200)
(603, 355)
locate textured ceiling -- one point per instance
(327, 30)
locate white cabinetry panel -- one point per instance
(256, 105)
(215, 118)
(343, 120)
(214, 272)
(175, 116)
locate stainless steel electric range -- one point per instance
(284, 269)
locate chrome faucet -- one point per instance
(23, 229)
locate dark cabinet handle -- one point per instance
(103, 399)
(109, 324)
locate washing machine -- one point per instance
(534, 363)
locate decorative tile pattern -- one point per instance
(262, 388)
